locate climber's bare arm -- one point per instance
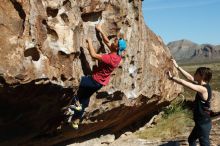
(104, 36)
(185, 73)
(195, 87)
(123, 54)
(92, 50)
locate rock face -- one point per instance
(185, 51)
(43, 56)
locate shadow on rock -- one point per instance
(171, 143)
(28, 110)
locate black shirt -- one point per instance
(201, 113)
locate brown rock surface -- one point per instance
(43, 55)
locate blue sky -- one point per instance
(195, 20)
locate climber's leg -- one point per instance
(84, 101)
(87, 87)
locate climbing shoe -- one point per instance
(59, 128)
(69, 112)
(75, 125)
(76, 107)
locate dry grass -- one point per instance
(174, 122)
(169, 128)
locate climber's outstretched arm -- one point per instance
(185, 73)
(92, 50)
(195, 87)
(104, 36)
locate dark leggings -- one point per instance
(87, 87)
(201, 132)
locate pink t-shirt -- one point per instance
(107, 65)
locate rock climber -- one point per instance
(201, 113)
(100, 75)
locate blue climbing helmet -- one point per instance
(121, 46)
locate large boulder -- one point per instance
(43, 55)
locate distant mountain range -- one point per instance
(185, 51)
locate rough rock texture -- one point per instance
(43, 54)
(185, 51)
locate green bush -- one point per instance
(177, 106)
